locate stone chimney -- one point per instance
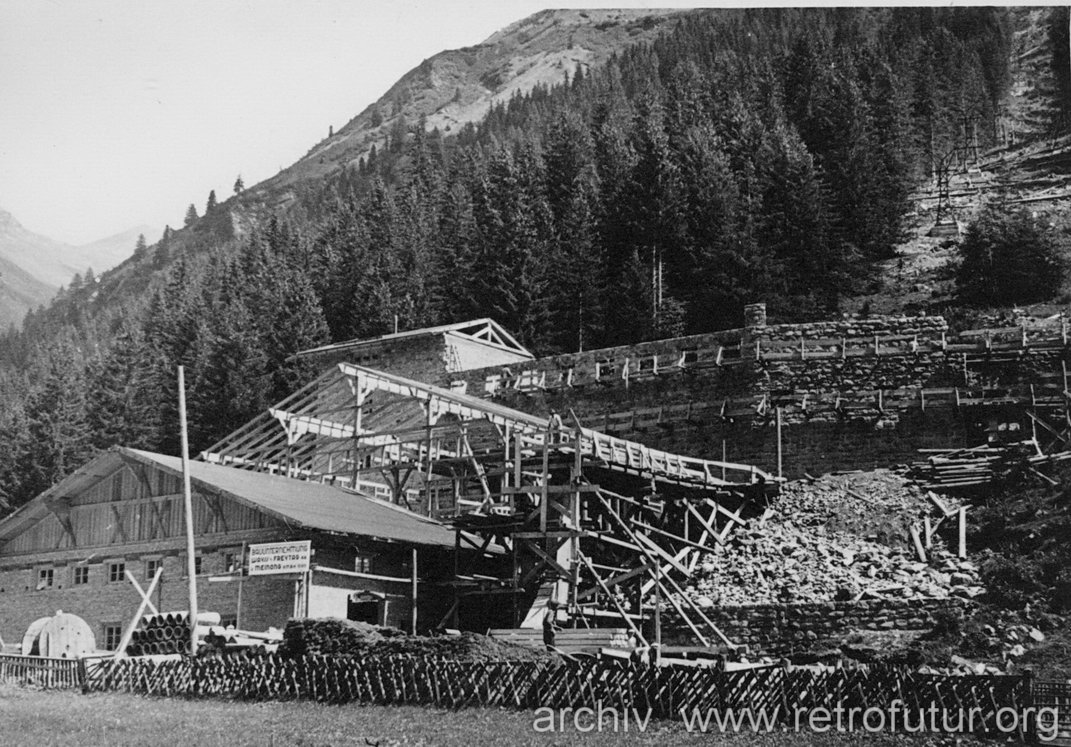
(754, 326)
(755, 315)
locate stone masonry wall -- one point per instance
(865, 407)
(775, 629)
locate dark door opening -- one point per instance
(366, 612)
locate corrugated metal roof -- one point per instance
(310, 504)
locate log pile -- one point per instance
(840, 538)
(952, 469)
(348, 638)
(219, 639)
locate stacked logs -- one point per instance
(168, 633)
(949, 469)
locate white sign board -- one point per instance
(279, 557)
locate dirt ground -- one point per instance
(37, 718)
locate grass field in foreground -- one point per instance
(37, 718)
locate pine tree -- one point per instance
(1008, 258)
(141, 246)
(191, 215)
(123, 409)
(59, 436)
(211, 204)
(239, 185)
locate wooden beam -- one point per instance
(129, 633)
(545, 557)
(624, 615)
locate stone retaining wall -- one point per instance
(783, 628)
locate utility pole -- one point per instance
(187, 499)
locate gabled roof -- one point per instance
(306, 504)
(485, 330)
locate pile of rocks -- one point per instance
(840, 538)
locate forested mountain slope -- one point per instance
(736, 155)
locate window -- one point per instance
(363, 564)
(116, 571)
(113, 636)
(81, 575)
(44, 578)
(228, 621)
(151, 566)
(197, 565)
(232, 562)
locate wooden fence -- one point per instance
(664, 692)
(41, 671)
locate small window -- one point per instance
(232, 563)
(116, 571)
(363, 564)
(81, 575)
(152, 566)
(197, 565)
(689, 356)
(228, 621)
(45, 576)
(113, 636)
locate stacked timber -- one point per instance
(951, 469)
(225, 639)
(336, 637)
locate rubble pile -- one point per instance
(840, 538)
(878, 505)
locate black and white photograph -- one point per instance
(474, 373)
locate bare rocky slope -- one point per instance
(460, 86)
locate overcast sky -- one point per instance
(115, 113)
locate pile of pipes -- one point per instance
(949, 469)
(169, 633)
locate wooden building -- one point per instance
(72, 548)
(432, 354)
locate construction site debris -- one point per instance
(838, 538)
(968, 468)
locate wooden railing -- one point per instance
(41, 671)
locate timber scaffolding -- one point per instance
(609, 529)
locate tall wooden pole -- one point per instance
(414, 591)
(187, 499)
(658, 615)
(779, 471)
